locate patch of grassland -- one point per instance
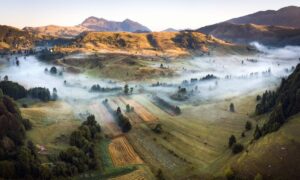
(204, 129)
(52, 122)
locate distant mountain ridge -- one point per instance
(100, 24)
(275, 28)
(287, 16)
(90, 24)
(246, 33)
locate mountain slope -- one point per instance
(158, 43)
(13, 38)
(287, 16)
(100, 24)
(246, 33)
(89, 24)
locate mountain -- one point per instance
(13, 38)
(170, 30)
(100, 24)
(246, 33)
(155, 44)
(89, 24)
(287, 16)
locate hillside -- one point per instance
(13, 38)
(158, 43)
(274, 152)
(89, 24)
(57, 31)
(287, 16)
(246, 33)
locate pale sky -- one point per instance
(155, 14)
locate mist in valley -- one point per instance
(232, 76)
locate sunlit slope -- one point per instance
(13, 38)
(159, 43)
(276, 155)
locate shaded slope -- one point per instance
(287, 16)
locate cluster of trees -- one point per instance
(40, 93)
(161, 102)
(266, 102)
(17, 158)
(122, 121)
(128, 90)
(129, 108)
(13, 89)
(49, 55)
(21, 161)
(98, 88)
(235, 147)
(16, 91)
(283, 103)
(81, 156)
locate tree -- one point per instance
(5, 78)
(119, 111)
(53, 70)
(126, 89)
(177, 110)
(248, 126)
(258, 98)
(231, 107)
(131, 90)
(257, 133)
(232, 140)
(243, 134)
(54, 94)
(128, 109)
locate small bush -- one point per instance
(237, 148)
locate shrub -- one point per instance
(237, 148)
(232, 140)
(248, 126)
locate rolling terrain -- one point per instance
(172, 44)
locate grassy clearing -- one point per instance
(52, 122)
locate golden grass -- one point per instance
(52, 122)
(122, 153)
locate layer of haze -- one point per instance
(155, 14)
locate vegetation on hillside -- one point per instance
(283, 103)
(14, 39)
(17, 91)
